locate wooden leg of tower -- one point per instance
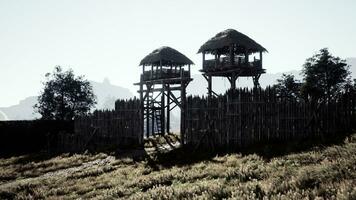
(233, 81)
(182, 115)
(147, 112)
(168, 107)
(141, 110)
(256, 80)
(210, 86)
(163, 129)
(153, 120)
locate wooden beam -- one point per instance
(167, 81)
(206, 78)
(225, 73)
(144, 97)
(175, 105)
(174, 99)
(214, 93)
(159, 89)
(154, 99)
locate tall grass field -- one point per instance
(320, 172)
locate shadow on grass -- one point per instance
(190, 155)
(278, 148)
(28, 158)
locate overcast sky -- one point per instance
(105, 38)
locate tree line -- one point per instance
(325, 78)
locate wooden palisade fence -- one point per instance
(243, 117)
(232, 121)
(119, 128)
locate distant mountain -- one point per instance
(105, 92)
(21, 111)
(2, 116)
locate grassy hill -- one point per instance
(320, 172)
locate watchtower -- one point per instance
(165, 76)
(230, 53)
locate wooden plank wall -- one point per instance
(243, 117)
(119, 128)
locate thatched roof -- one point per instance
(231, 36)
(168, 56)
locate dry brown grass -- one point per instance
(321, 173)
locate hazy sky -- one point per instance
(105, 38)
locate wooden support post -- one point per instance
(210, 86)
(148, 111)
(256, 80)
(261, 58)
(156, 73)
(142, 105)
(163, 129)
(153, 109)
(233, 81)
(151, 71)
(216, 60)
(168, 107)
(232, 54)
(182, 115)
(160, 65)
(203, 62)
(246, 57)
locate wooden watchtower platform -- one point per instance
(165, 76)
(230, 56)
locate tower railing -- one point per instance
(226, 62)
(164, 73)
